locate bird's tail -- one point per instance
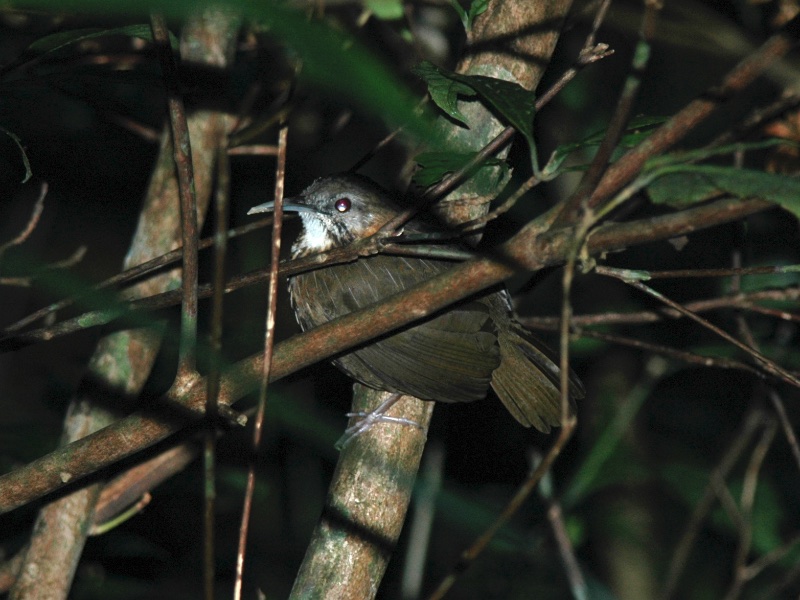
(527, 380)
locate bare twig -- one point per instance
(750, 482)
(269, 344)
(619, 120)
(608, 237)
(33, 221)
(743, 301)
(719, 362)
(773, 556)
(759, 117)
(132, 274)
(182, 152)
(476, 224)
(530, 249)
(737, 271)
(469, 555)
(555, 515)
(788, 431)
(377, 148)
(768, 365)
(222, 210)
(740, 442)
(256, 150)
(64, 263)
(742, 75)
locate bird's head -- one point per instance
(336, 211)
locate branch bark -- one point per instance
(122, 361)
(371, 488)
(529, 251)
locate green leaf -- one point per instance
(386, 10)
(23, 154)
(684, 185)
(461, 12)
(336, 62)
(331, 59)
(444, 90)
(59, 40)
(510, 101)
(435, 165)
(477, 8)
(513, 102)
(636, 131)
(679, 158)
(55, 42)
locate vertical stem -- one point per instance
(182, 153)
(269, 344)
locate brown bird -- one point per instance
(452, 357)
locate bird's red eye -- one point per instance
(342, 205)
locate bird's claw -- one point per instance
(371, 418)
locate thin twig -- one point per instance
(744, 301)
(788, 431)
(677, 127)
(599, 17)
(608, 237)
(33, 221)
(130, 275)
(770, 558)
(555, 515)
(64, 263)
(566, 311)
(476, 224)
(718, 362)
(681, 554)
(759, 117)
(182, 151)
(590, 52)
(737, 271)
(222, 207)
(529, 485)
(269, 343)
(254, 150)
(377, 148)
(619, 121)
(747, 499)
(770, 366)
(529, 249)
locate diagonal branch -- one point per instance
(531, 251)
(697, 111)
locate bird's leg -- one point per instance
(369, 419)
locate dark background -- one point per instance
(67, 111)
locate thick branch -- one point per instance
(530, 251)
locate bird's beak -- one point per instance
(289, 205)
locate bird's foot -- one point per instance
(371, 418)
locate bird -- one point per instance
(454, 356)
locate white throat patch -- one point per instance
(315, 236)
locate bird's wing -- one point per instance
(448, 358)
